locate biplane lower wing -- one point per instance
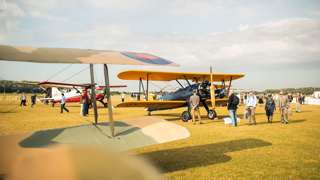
(161, 105)
(154, 104)
(219, 102)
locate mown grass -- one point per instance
(213, 151)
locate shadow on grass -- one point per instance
(130, 129)
(7, 112)
(297, 121)
(41, 138)
(11, 110)
(45, 138)
(195, 156)
(290, 121)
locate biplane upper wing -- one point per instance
(47, 84)
(80, 56)
(114, 86)
(169, 76)
(167, 104)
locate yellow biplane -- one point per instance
(211, 87)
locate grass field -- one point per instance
(213, 151)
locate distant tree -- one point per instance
(304, 90)
(19, 86)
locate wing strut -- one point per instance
(144, 92)
(138, 98)
(147, 92)
(179, 83)
(141, 86)
(229, 85)
(107, 83)
(93, 95)
(187, 80)
(212, 90)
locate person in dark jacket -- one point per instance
(270, 107)
(233, 103)
(33, 100)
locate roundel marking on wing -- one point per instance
(146, 58)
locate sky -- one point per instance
(276, 43)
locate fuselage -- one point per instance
(71, 95)
(183, 94)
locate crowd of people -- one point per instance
(282, 100)
(250, 100)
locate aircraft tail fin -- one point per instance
(55, 92)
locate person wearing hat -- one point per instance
(194, 104)
(284, 105)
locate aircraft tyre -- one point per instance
(185, 116)
(212, 114)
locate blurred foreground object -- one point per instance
(74, 162)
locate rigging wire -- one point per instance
(63, 69)
(73, 75)
(161, 88)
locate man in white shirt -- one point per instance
(63, 104)
(251, 103)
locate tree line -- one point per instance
(303, 90)
(8, 86)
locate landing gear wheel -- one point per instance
(185, 116)
(212, 114)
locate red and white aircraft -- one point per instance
(72, 92)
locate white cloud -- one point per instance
(191, 8)
(115, 4)
(284, 41)
(10, 14)
(46, 16)
(315, 13)
(288, 40)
